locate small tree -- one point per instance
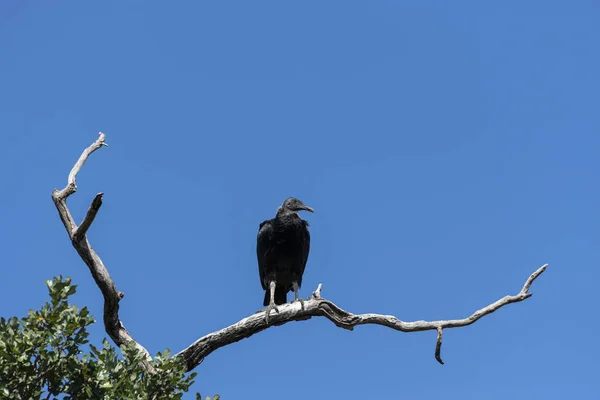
(41, 356)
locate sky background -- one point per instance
(448, 150)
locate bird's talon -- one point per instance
(268, 311)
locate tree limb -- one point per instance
(79, 232)
(112, 296)
(316, 306)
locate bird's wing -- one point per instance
(263, 247)
(305, 250)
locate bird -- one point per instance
(282, 247)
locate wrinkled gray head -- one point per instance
(292, 205)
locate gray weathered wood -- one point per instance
(113, 325)
(320, 307)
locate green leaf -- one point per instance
(44, 350)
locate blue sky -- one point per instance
(448, 150)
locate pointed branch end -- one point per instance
(101, 138)
(540, 270)
(97, 202)
(317, 293)
(532, 278)
(81, 231)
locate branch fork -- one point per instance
(193, 355)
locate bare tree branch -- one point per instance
(79, 232)
(112, 296)
(438, 345)
(60, 197)
(316, 306)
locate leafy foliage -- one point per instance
(40, 355)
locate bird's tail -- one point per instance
(280, 296)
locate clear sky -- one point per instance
(448, 150)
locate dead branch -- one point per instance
(316, 306)
(320, 307)
(113, 325)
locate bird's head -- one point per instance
(292, 205)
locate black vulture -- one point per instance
(282, 247)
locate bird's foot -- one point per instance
(271, 306)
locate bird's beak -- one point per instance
(307, 208)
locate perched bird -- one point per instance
(282, 247)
